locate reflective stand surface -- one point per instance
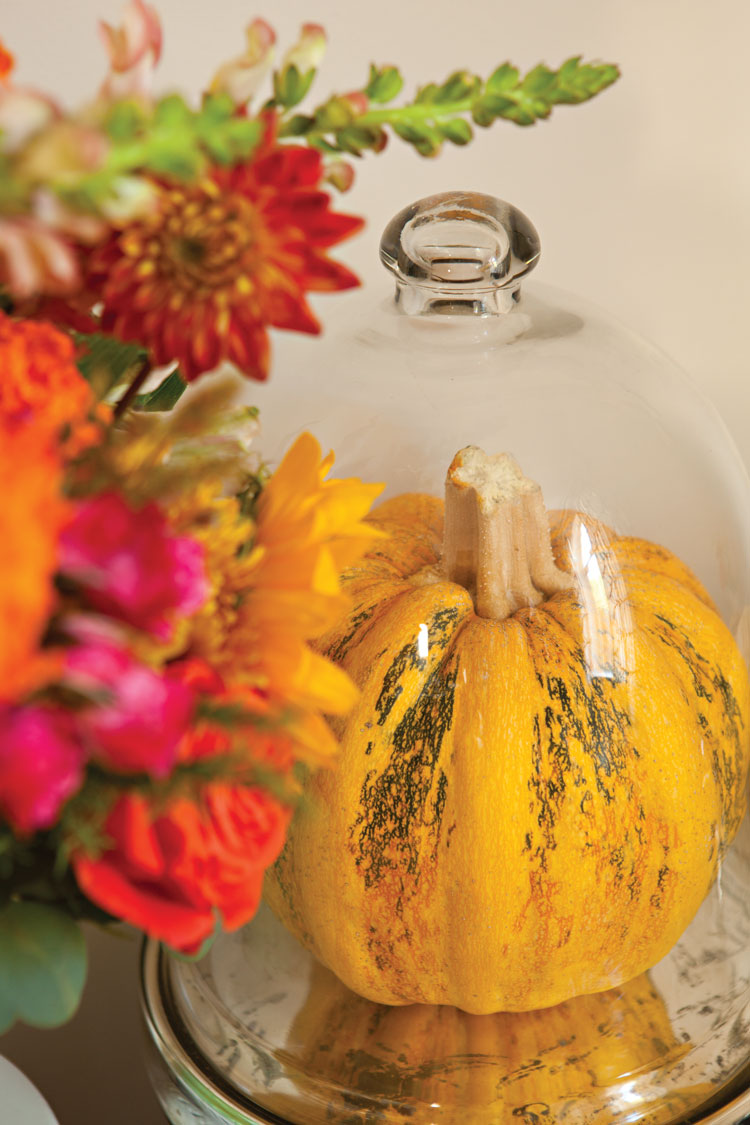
(258, 1031)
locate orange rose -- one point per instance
(174, 871)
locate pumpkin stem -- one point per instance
(496, 541)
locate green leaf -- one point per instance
(539, 82)
(105, 361)
(163, 397)
(42, 965)
(384, 85)
(125, 120)
(177, 158)
(336, 114)
(426, 94)
(172, 112)
(296, 126)
(425, 139)
(487, 108)
(290, 87)
(217, 108)
(456, 88)
(355, 138)
(577, 82)
(456, 130)
(503, 79)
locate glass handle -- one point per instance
(459, 252)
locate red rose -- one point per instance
(171, 871)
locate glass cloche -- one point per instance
(523, 894)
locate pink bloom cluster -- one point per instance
(130, 570)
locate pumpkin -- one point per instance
(548, 759)
(595, 1059)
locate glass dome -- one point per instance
(529, 871)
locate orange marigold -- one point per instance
(32, 514)
(40, 384)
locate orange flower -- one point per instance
(202, 278)
(32, 514)
(266, 605)
(41, 385)
(308, 530)
(7, 62)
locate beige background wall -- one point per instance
(641, 199)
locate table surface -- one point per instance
(91, 1071)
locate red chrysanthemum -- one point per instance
(202, 278)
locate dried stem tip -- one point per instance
(497, 540)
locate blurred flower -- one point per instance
(63, 153)
(32, 515)
(357, 101)
(134, 49)
(339, 174)
(175, 870)
(37, 255)
(241, 77)
(265, 604)
(129, 198)
(40, 385)
(41, 765)
(35, 259)
(130, 565)
(201, 279)
(137, 717)
(24, 113)
(7, 62)
(307, 53)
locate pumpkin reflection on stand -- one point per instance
(433, 1063)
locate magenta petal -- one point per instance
(130, 565)
(137, 717)
(41, 765)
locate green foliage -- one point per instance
(42, 965)
(384, 85)
(106, 362)
(169, 139)
(163, 397)
(290, 87)
(443, 111)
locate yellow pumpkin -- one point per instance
(548, 759)
(591, 1061)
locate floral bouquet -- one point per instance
(161, 588)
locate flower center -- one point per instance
(205, 241)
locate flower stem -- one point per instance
(137, 382)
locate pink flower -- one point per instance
(35, 259)
(130, 564)
(37, 255)
(41, 765)
(134, 49)
(136, 724)
(339, 173)
(242, 77)
(307, 53)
